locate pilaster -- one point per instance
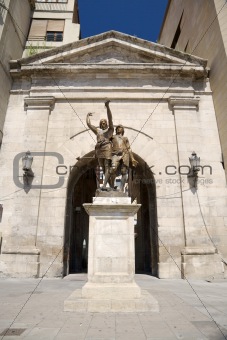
(20, 255)
(187, 131)
(199, 256)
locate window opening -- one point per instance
(54, 36)
(177, 34)
(49, 30)
(186, 47)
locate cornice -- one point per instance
(39, 103)
(195, 72)
(121, 38)
(184, 102)
(200, 250)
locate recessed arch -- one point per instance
(81, 188)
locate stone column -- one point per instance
(199, 256)
(111, 253)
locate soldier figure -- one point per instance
(103, 149)
(121, 156)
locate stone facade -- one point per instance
(163, 99)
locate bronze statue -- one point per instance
(103, 148)
(121, 157)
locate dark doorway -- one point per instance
(81, 189)
(83, 193)
(142, 189)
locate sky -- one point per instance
(140, 18)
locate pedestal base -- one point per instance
(202, 262)
(111, 291)
(77, 303)
(20, 262)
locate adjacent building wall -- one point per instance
(14, 23)
(203, 33)
(66, 11)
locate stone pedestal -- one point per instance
(20, 262)
(111, 261)
(202, 263)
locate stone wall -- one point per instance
(166, 113)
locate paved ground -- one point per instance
(188, 310)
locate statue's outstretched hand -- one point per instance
(89, 114)
(107, 102)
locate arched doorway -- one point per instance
(81, 189)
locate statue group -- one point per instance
(112, 151)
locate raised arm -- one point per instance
(109, 115)
(88, 121)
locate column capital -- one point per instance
(182, 103)
(126, 210)
(39, 103)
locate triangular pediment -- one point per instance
(113, 51)
(112, 48)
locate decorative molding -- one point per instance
(112, 37)
(22, 251)
(126, 70)
(39, 103)
(124, 209)
(182, 103)
(203, 250)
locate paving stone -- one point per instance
(186, 331)
(67, 336)
(210, 329)
(42, 333)
(157, 329)
(181, 316)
